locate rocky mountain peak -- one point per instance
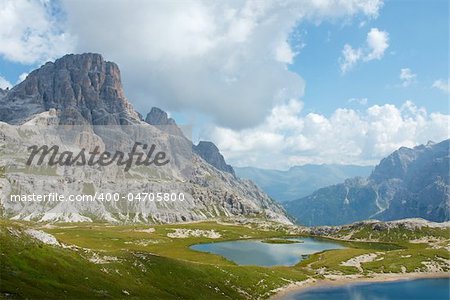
(403, 162)
(160, 119)
(157, 116)
(83, 88)
(430, 143)
(211, 154)
(395, 165)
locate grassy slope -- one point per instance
(152, 265)
(31, 269)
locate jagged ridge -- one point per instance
(409, 183)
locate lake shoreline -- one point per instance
(338, 280)
(256, 252)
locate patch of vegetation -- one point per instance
(375, 246)
(409, 260)
(395, 235)
(331, 260)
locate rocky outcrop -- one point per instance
(409, 183)
(84, 89)
(211, 154)
(159, 118)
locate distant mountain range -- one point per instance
(300, 181)
(409, 183)
(86, 90)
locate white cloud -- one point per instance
(350, 57)
(21, 78)
(442, 85)
(376, 44)
(407, 76)
(288, 138)
(30, 32)
(284, 53)
(227, 60)
(4, 83)
(360, 101)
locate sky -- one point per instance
(273, 83)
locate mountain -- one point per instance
(82, 88)
(159, 118)
(409, 183)
(84, 94)
(210, 153)
(300, 181)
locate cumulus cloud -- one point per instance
(377, 41)
(4, 83)
(30, 31)
(289, 138)
(442, 85)
(227, 60)
(407, 76)
(376, 44)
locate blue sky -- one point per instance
(273, 83)
(418, 33)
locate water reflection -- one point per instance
(256, 252)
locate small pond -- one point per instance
(262, 253)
